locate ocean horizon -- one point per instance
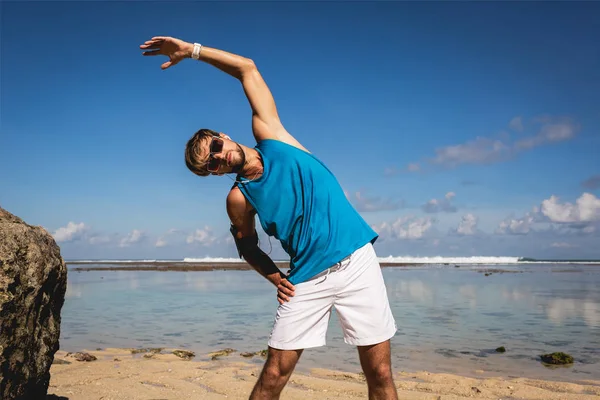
(434, 260)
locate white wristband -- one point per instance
(196, 51)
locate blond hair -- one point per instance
(193, 155)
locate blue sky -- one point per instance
(456, 128)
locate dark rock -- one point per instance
(501, 349)
(153, 350)
(247, 355)
(558, 358)
(262, 353)
(186, 355)
(33, 282)
(79, 356)
(224, 352)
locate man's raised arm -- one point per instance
(265, 119)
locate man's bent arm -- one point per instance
(263, 264)
(246, 240)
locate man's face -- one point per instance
(230, 159)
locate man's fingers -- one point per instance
(285, 290)
(287, 284)
(166, 65)
(149, 46)
(282, 296)
(151, 53)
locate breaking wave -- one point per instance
(449, 260)
(212, 260)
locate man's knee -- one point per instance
(380, 374)
(273, 374)
(279, 366)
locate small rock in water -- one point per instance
(558, 358)
(153, 350)
(84, 357)
(246, 354)
(186, 355)
(262, 353)
(224, 352)
(501, 349)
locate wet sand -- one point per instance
(117, 374)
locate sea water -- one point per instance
(450, 319)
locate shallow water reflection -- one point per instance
(449, 319)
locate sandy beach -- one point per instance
(118, 374)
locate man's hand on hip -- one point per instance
(285, 290)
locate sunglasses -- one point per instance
(216, 146)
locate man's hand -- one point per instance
(173, 48)
(285, 290)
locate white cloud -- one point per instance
(479, 151)
(203, 236)
(516, 124)
(94, 240)
(414, 167)
(551, 132)
(365, 203)
(484, 150)
(586, 209)
(440, 205)
(405, 228)
(162, 240)
(563, 245)
(71, 232)
(511, 226)
(133, 237)
(467, 226)
(561, 218)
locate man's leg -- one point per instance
(275, 374)
(367, 320)
(377, 365)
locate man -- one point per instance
(298, 201)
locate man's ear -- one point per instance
(224, 136)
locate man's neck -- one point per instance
(253, 167)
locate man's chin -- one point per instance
(236, 169)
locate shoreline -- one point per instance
(229, 266)
(118, 374)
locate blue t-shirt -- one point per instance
(300, 202)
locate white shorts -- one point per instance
(356, 289)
